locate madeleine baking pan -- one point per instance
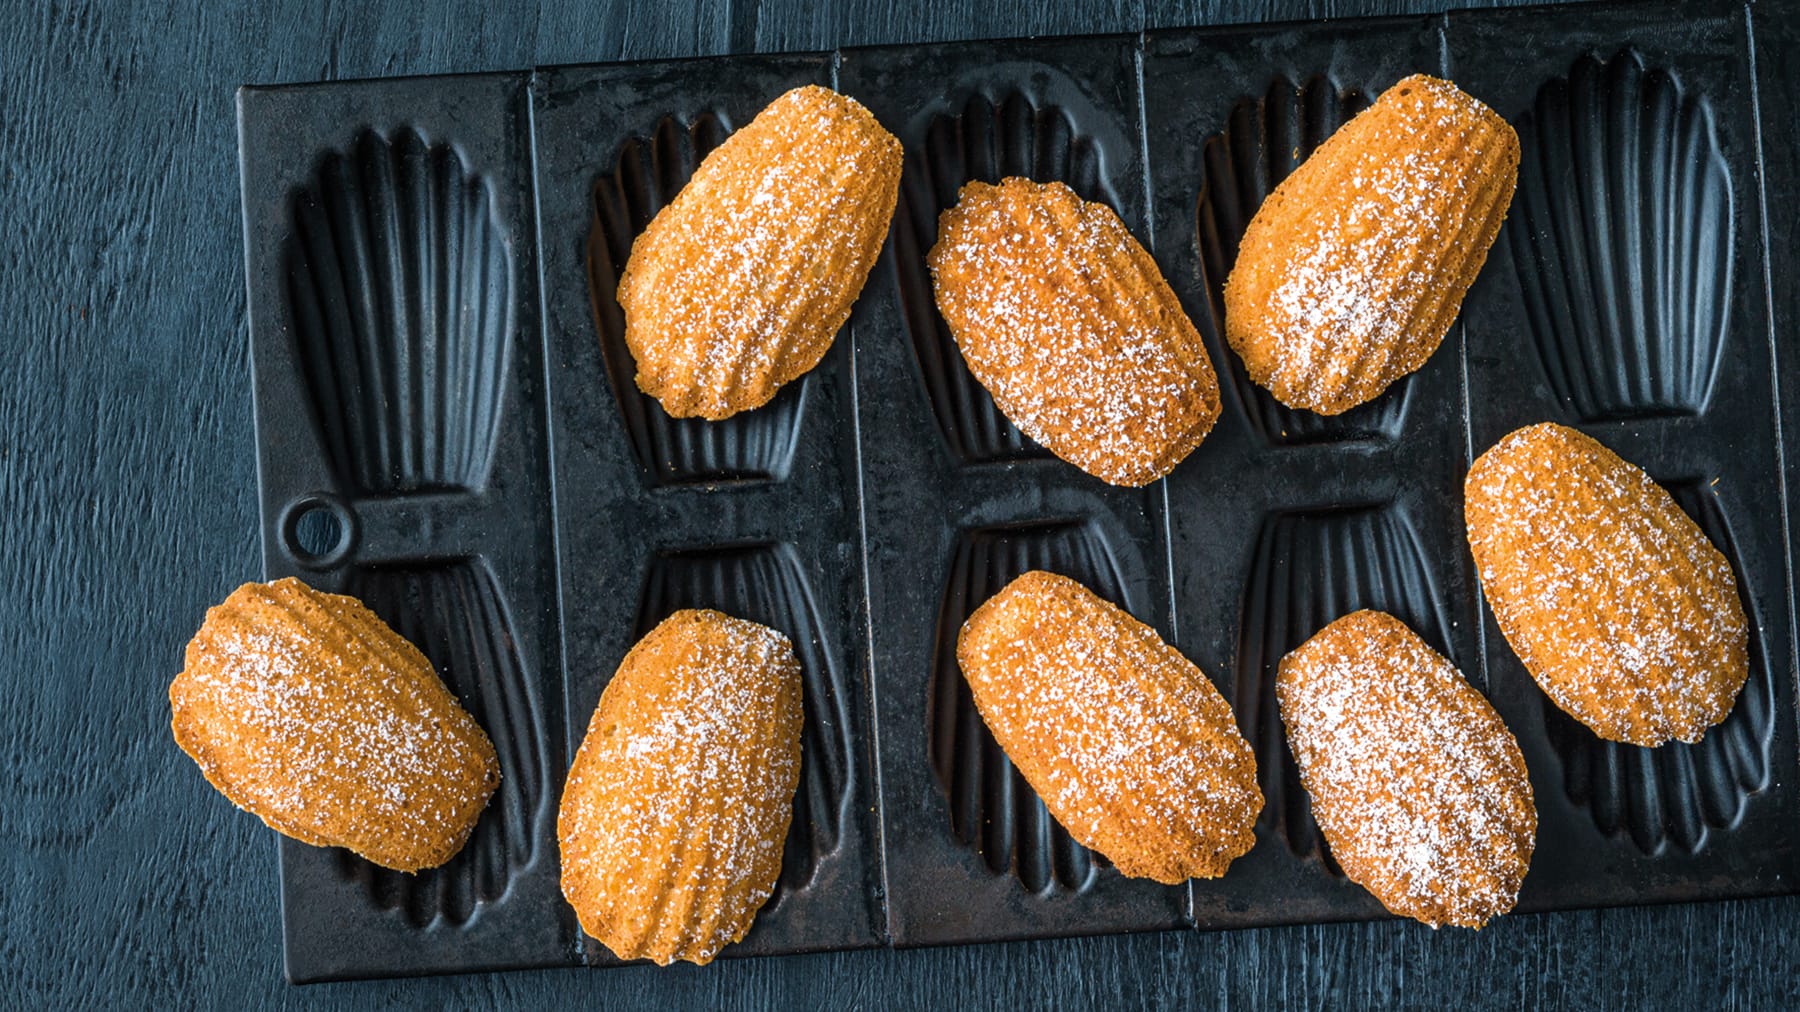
(448, 428)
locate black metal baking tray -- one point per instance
(447, 427)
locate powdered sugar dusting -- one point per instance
(1611, 596)
(679, 800)
(739, 285)
(1067, 322)
(1353, 269)
(1129, 745)
(305, 709)
(1418, 786)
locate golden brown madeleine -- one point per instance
(1070, 326)
(1420, 789)
(1352, 271)
(677, 807)
(1611, 596)
(739, 285)
(1127, 742)
(305, 709)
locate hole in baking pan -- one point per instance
(1676, 794)
(1622, 236)
(751, 446)
(993, 811)
(1309, 569)
(988, 139)
(318, 531)
(766, 583)
(399, 290)
(1266, 138)
(456, 616)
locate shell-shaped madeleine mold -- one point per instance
(399, 289)
(766, 584)
(989, 139)
(455, 615)
(1266, 138)
(1622, 238)
(750, 446)
(993, 810)
(1676, 794)
(1308, 570)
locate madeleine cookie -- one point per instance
(1067, 322)
(1352, 271)
(306, 710)
(1130, 746)
(1611, 596)
(1419, 788)
(740, 284)
(676, 810)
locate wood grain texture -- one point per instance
(127, 506)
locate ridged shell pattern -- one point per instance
(766, 584)
(1611, 596)
(670, 823)
(1266, 138)
(307, 710)
(1623, 239)
(399, 294)
(989, 139)
(454, 615)
(1127, 741)
(1351, 273)
(993, 811)
(740, 285)
(1676, 794)
(1066, 320)
(1417, 783)
(1308, 570)
(749, 446)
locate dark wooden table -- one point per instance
(128, 505)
